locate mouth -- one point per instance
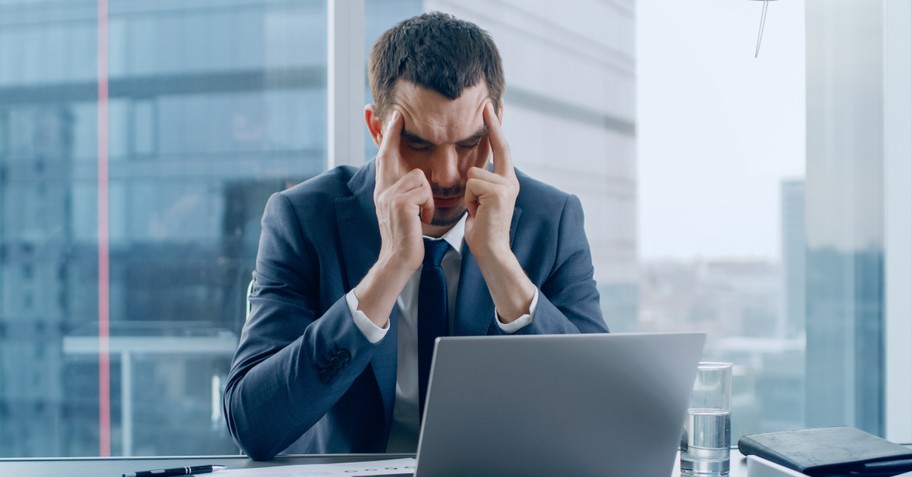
(446, 202)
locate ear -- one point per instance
(374, 124)
(500, 111)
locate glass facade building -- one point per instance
(211, 106)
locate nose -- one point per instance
(445, 172)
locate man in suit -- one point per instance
(359, 269)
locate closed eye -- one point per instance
(417, 147)
(415, 142)
(474, 140)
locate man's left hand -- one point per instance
(490, 198)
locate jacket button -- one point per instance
(343, 356)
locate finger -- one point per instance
(481, 188)
(485, 175)
(471, 200)
(415, 179)
(427, 209)
(503, 162)
(388, 170)
(392, 133)
(423, 200)
(427, 204)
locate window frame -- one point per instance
(345, 73)
(897, 218)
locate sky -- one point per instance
(717, 129)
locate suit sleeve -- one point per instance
(293, 361)
(568, 298)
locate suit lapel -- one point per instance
(474, 306)
(358, 231)
(359, 235)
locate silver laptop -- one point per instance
(553, 405)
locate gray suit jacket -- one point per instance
(304, 378)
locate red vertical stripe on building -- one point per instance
(104, 362)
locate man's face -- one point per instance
(444, 138)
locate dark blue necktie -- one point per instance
(432, 311)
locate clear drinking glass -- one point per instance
(706, 442)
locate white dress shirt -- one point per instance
(405, 427)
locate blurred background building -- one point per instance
(213, 105)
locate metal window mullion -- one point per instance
(345, 72)
(898, 218)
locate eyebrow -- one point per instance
(418, 140)
(414, 138)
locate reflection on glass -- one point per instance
(845, 197)
(212, 107)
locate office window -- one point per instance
(721, 143)
(211, 107)
(808, 324)
(723, 193)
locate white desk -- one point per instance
(91, 467)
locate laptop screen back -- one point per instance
(580, 405)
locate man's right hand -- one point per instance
(403, 199)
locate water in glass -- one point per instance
(705, 442)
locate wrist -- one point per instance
(518, 304)
(510, 288)
(378, 290)
(395, 266)
(494, 251)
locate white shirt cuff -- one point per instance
(521, 322)
(372, 332)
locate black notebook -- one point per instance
(830, 451)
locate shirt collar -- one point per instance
(455, 235)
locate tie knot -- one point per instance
(434, 250)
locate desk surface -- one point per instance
(114, 467)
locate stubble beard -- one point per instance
(449, 217)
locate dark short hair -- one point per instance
(437, 51)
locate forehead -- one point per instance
(438, 119)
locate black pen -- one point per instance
(197, 469)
